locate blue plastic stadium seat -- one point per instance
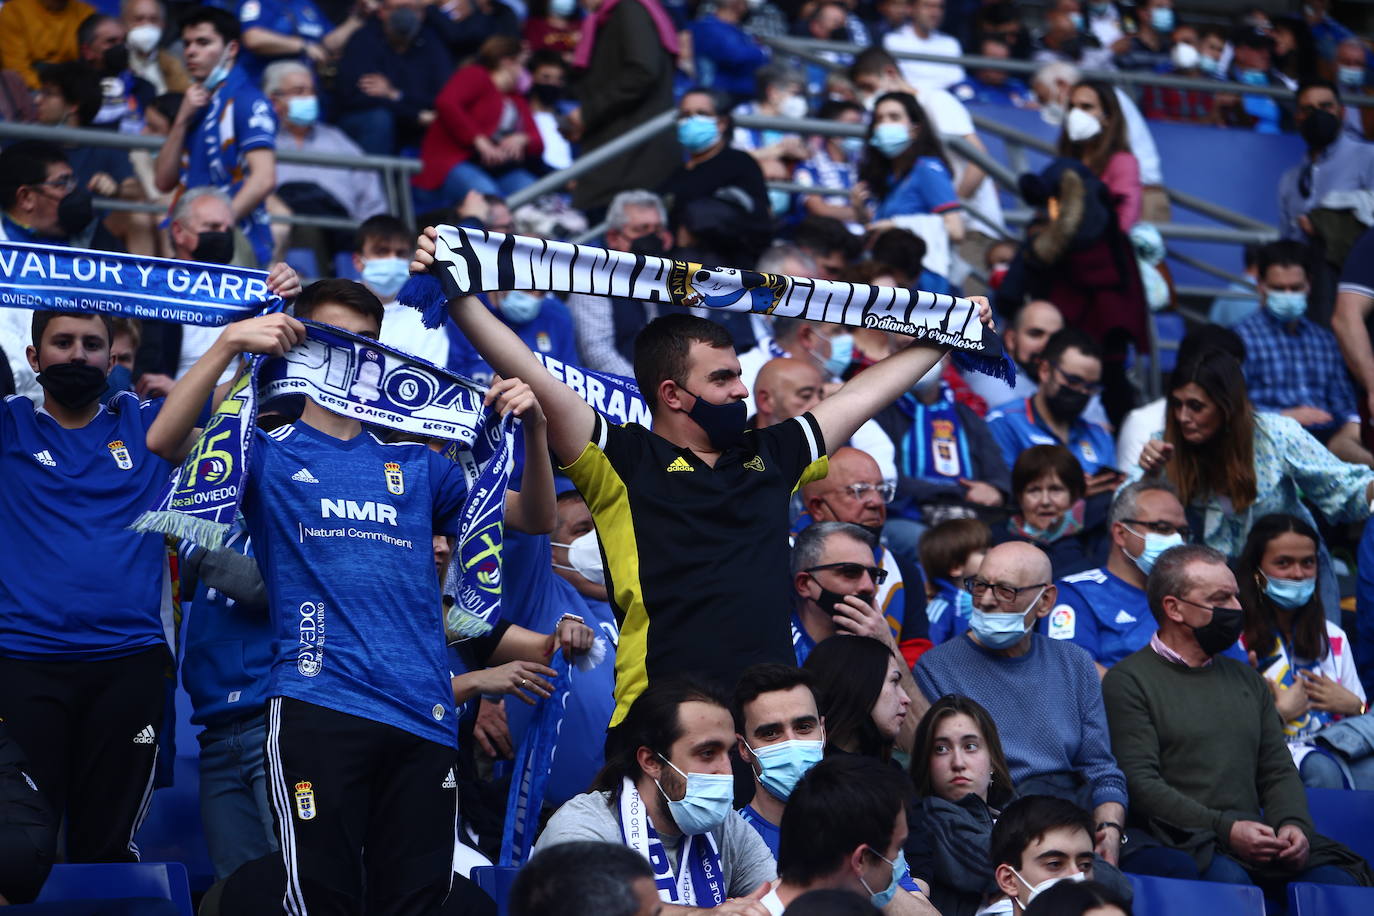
(343, 266)
(1170, 896)
(1346, 816)
(303, 261)
(496, 880)
(114, 881)
(1329, 900)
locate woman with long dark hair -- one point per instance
(905, 178)
(1305, 657)
(858, 689)
(1094, 133)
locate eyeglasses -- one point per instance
(1005, 594)
(1077, 382)
(885, 490)
(1164, 528)
(64, 183)
(853, 571)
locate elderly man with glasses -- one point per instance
(855, 492)
(1043, 693)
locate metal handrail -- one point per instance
(813, 47)
(394, 169)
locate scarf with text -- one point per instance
(700, 880)
(533, 762)
(469, 261)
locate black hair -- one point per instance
(881, 172)
(720, 102)
(831, 109)
(584, 878)
(41, 320)
(871, 60)
(653, 722)
(900, 250)
(824, 234)
(1284, 253)
(1211, 337)
(78, 85)
(546, 58)
(1065, 339)
(348, 293)
(382, 226)
(1261, 617)
(85, 32)
(850, 674)
(1074, 898)
(26, 163)
(842, 803)
(832, 901)
(225, 24)
(662, 347)
(767, 677)
(1028, 819)
(1316, 82)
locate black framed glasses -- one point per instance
(853, 571)
(1077, 382)
(1005, 594)
(1164, 528)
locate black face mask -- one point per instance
(723, 423)
(840, 34)
(73, 385)
(1320, 129)
(404, 23)
(1221, 632)
(829, 601)
(1066, 404)
(214, 247)
(115, 60)
(75, 212)
(650, 246)
(546, 94)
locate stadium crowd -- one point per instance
(850, 629)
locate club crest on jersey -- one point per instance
(305, 801)
(121, 455)
(395, 480)
(755, 463)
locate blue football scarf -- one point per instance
(700, 880)
(613, 396)
(468, 261)
(533, 762)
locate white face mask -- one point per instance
(584, 557)
(144, 38)
(1037, 890)
(1080, 125)
(794, 106)
(1185, 56)
(1052, 113)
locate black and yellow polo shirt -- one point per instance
(696, 557)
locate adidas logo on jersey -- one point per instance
(1123, 617)
(146, 736)
(449, 781)
(45, 458)
(680, 464)
(304, 476)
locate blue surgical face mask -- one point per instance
(1162, 18)
(521, 307)
(698, 132)
(707, 803)
(1285, 305)
(723, 423)
(220, 73)
(1076, 20)
(1290, 593)
(1350, 76)
(852, 146)
(1155, 544)
(899, 871)
(841, 354)
(782, 765)
(1209, 65)
(1253, 77)
(891, 139)
(779, 202)
(303, 109)
(386, 276)
(1000, 630)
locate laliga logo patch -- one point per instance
(305, 801)
(395, 481)
(120, 454)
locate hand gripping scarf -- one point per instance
(468, 261)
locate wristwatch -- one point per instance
(1121, 831)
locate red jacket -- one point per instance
(469, 106)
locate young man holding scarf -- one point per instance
(83, 666)
(360, 709)
(225, 134)
(666, 793)
(700, 499)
